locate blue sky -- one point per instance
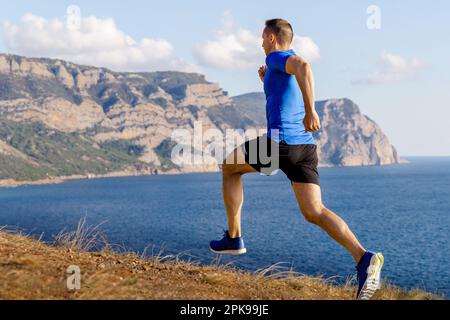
(399, 74)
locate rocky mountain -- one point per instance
(58, 118)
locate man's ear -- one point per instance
(271, 37)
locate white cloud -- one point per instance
(234, 47)
(96, 42)
(306, 47)
(392, 68)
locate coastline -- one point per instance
(11, 183)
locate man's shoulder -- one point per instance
(281, 53)
(277, 59)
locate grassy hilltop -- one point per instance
(31, 269)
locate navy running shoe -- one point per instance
(369, 273)
(228, 245)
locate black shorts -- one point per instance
(298, 161)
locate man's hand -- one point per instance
(311, 121)
(262, 72)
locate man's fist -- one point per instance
(262, 72)
(311, 121)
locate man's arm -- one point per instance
(303, 73)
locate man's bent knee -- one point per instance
(232, 169)
(235, 163)
(229, 168)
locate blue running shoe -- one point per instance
(228, 245)
(369, 273)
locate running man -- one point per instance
(291, 119)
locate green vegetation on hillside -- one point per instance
(164, 153)
(59, 153)
(19, 169)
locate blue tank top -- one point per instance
(285, 109)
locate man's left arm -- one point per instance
(297, 66)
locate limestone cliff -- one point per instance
(350, 138)
(139, 112)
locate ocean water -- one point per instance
(401, 210)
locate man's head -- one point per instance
(277, 35)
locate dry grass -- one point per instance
(83, 238)
(30, 269)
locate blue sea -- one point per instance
(402, 210)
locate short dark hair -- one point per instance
(282, 30)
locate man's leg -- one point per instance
(232, 170)
(309, 199)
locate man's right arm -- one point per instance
(303, 73)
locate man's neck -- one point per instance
(279, 48)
